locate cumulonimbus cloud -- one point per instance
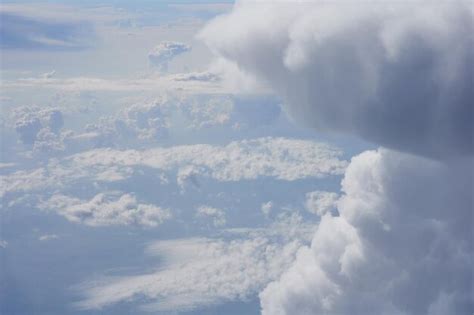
(397, 74)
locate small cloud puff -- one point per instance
(163, 53)
(107, 209)
(321, 202)
(35, 124)
(266, 208)
(48, 237)
(217, 215)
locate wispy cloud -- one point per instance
(199, 272)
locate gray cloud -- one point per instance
(400, 76)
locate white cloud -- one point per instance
(198, 76)
(397, 74)
(164, 52)
(217, 215)
(49, 75)
(210, 112)
(267, 208)
(321, 202)
(402, 243)
(6, 165)
(143, 122)
(3, 244)
(48, 237)
(394, 73)
(105, 209)
(39, 128)
(278, 158)
(199, 272)
(182, 83)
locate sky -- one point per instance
(257, 157)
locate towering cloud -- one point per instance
(397, 74)
(401, 244)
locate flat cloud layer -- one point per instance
(280, 158)
(398, 75)
(199, 272)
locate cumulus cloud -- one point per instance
(278, 158)
(401, 243)
(151, 122)
(105, 209)
(397, 74)
(39, 128)
(142, 122)
(217, 215)
(321, 202)
(163, 53)
(202, 113)
(199, 272)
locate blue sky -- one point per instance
(184, 157)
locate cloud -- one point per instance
(48, 237)
(217, 215)
(321, 202)
(278, 158)
(30, 121)
(181, 82)
(266, 208)
(198, 76)
(208, 112)
(147, 122)
(199, 272)
(401, 243)
(105, 209)
(163, 53)
(396, 74)
(35, 32)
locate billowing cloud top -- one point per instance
(397, 74)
